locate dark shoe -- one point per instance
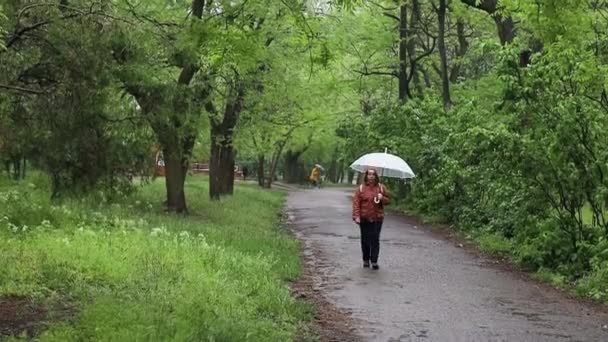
(366, 264)
(375, 266)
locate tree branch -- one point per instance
(18, 34)
(146, 18)
(190, 70)
(391, 16)
(381, 73)
(428, 52)
(489, 6)
(21, 90)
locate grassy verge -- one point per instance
(131, 272)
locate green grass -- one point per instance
(553, 278)
(494, 243)
(133, 272)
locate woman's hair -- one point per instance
(377, 176)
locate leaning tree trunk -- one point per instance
(273, 167)
(275, 159)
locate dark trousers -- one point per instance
(370, 240)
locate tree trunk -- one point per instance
(302, 175)
(273, 165)
(334, 166)
(506, 29)
(16, 168)
(427, 78)
(332, 172)
(463, 47)
(411, 47)
(55, 185)
(275, 161)
(221, 166)
(403, 45)
(292, 167)
(23, 168)
(351, 176)
(175, 177)
(261, 170)
(340, 175)
(445, 79)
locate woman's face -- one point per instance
(371, 176)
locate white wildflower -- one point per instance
(156, 231)
(13, 227)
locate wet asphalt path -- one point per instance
(428, 289)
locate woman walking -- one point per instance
(368, 212)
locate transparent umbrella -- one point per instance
(387, 165)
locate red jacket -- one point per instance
(364, 206)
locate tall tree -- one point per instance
(169, 105)
(445, 78)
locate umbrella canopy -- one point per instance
(320, 167)
(386, 164)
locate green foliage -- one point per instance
(594, 284)
(494, 244)
(551, 277)
(520, 160)
(76, 125)
(134, 273)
